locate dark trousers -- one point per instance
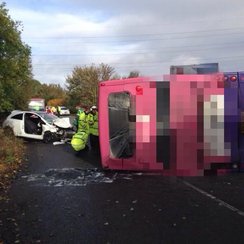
(94, 142)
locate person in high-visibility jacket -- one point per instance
(76, 120)
(79, 141)
(53, 110)
(80, 138)
(83, 124)
(93, 128)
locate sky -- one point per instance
(129, 35)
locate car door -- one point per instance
(16, 123)
(32, 126)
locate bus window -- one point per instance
(120, 127)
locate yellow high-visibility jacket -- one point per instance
(83, 124)
(79, 140)
(93, 123)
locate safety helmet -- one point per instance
(94, 107)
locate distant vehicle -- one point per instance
(36, 104)
(62, 110)
(36, 125)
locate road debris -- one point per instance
(76, 177)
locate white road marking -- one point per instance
(219, 201)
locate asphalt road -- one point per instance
(60, 197)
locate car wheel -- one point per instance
(48, 137)
(8, 131)
(62, 133)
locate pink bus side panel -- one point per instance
(196, 124)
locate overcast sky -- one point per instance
(143, 35)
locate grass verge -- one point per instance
(11, 157)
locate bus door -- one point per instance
(108, 125)
(117, 121)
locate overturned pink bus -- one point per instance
(174, 126)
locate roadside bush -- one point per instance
(3, 116)
(11, 156)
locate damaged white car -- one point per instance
(37, 125)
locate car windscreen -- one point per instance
(48, 117)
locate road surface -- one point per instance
(61, 197)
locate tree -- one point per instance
(52, 91)
(34, 88)
(53, 94)
(105, 72)
(15, 64)
(134, 74)
(82, 85)
(56, 102)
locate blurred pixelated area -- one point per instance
(197, 116)
(180, 125)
